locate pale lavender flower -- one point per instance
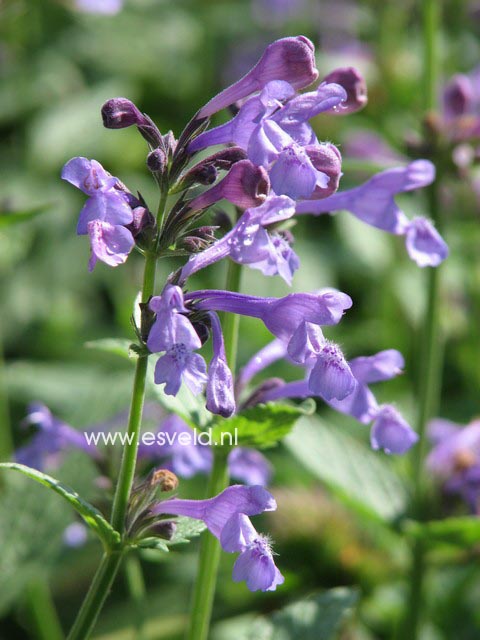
(103, 7)
(53, 437)
(391, 432)
(249, 466)
(174, 334)
(425, 245)
(75, 535)
(220, 393)
(226, 517)
(456, 447)
(110, 243)
(288, 59)
(281, 316)
(250, 242)
(373, 202)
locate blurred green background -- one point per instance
(57, 67)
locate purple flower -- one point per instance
(174, 334)
(456, 447)
(250, 243)
(391, 432)
(459, 97)
(75, 535)
(354, 84)
(425, 245)
(249, 466)
(105, 213)
(373, 202)
(288, 59)
(273, 134)
(109, 243)
(220, 394)
(272, 352)
(105, 7)
(245, 185)
(185, 459)
(51, 440)
(282, 316)
(226, 517)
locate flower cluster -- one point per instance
(272, 168)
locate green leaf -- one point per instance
(459, 531)
(318, 617)
(89, 513)
(187, 528)
(118, 346)
(358, 476)
(262, 426)
(8, 218)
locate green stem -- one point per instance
(137, 591)
(108, 568)
(231, 320)
(430, 366)
(204, 592)
(96, 596)
(45, 620)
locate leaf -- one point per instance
(93, 518)
(187, 528)
(459, 531)
(263, 425)
(118, 346)
(318, 617)
(8, 218)
(353, 472)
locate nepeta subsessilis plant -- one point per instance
(272, 169)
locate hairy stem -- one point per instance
(111, 560)
(431, 356)
(204, 591)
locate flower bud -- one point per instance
(157, 161)
(206, 171)
(164, 529)
(119, 113)
(245, 185)
(354, 84)
(327, 159)
(458, 96)
(288, 59)
(164, 479)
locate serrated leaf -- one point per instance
(262, 426)
(459, 531)
(8, 218)
(118, 346)
(358, 476)
(93, 518)
(318, 617)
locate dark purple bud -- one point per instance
(142, 219)
(458, 96)
(327, 159)
(169, 143)
(245, 185)
(119, 113)
(157, 161)
(192, 244)
(164, 529)
(206, 171)
(354, 84)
